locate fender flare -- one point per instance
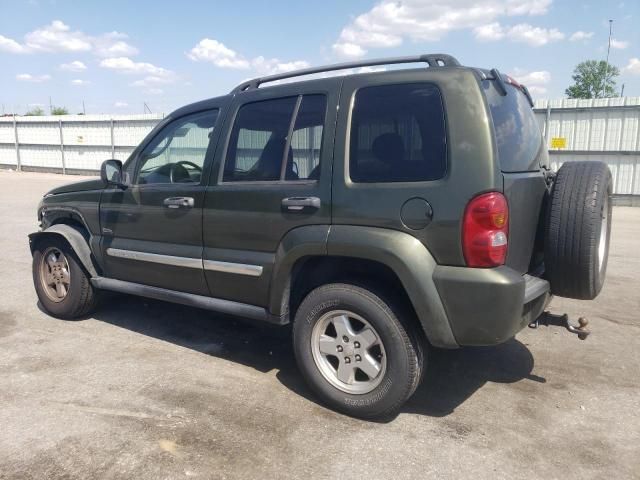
(74, 237)
(310, 240)
(410, 261)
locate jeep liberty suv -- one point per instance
(381, 213)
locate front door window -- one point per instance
(177, 153)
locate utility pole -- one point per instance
(606, 68)
(50, 106)
(84, 112)
(622, 91)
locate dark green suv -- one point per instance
(380, 212)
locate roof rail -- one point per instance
(432, 59)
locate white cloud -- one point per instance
(534, 36)
(523, 33)
(153, 80)
(126, 65)
(80, 83)
(11, 46)
(58, 37)
(535, 81)
(154, 91)
(270, 66)
(120, 104)
(580, 35)
(489, 32)
(619, 44)
(27, 77)
(541, 77)
(633, 66)
(113, 45)
(75, 66)
(345, 49)
(537, 90)
(209, 50)
(390, 22)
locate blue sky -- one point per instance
(114, 55)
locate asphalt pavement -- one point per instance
(146, 389)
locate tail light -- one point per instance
(485, 229)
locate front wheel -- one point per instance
(62, 285)
(354, 351)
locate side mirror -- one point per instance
(111, 173)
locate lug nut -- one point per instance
(340, 348)
(356, 344)
(345, 339)
(347, 360)
(358, 358)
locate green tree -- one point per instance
(35, 112)
(590, 77)
(59, 111)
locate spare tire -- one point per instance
(578, 229)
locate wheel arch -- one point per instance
(76, 236)
(369, 255)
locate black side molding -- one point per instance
(199, 301)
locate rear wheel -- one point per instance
(354, 351)
(62, 285)
(578, 230)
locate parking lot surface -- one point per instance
(146, 389)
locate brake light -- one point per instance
(484, 230)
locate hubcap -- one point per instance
(54, 274)
(602, 245)
(348, 352)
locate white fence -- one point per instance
(70, 143)
(602, 129)
(606, 129)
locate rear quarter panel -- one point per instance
(471, 168)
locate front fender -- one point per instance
(411, 262)
(74, 237)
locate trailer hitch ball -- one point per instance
(548, 319)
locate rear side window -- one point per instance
(262, 133)
(518, 135)
(397, 134)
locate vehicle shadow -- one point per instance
(452, 376)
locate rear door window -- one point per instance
(397, 134)
(518, 135)
(262, 133)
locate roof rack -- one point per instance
(432, 59)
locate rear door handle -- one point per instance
(178, 202)
(297, 204)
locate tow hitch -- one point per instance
(548, 319)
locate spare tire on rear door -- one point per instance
(578, 228)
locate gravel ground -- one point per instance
(145, 389)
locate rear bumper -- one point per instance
(489, 306)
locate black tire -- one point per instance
(401, 343)
(578, 222)
(80, 299)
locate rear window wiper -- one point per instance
(501, 85)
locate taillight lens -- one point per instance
(485, 229)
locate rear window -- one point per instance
(397, 134)
(517, 131)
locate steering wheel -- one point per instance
(179, 174)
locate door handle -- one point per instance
(178, 202)
(297, 204)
